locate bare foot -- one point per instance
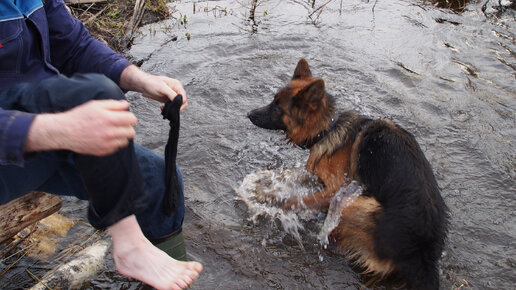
(138, 258)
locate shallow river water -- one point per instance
(449, 78)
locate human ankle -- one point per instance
(127, 231)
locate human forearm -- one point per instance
(45, 135)
(95, 128)
(133, 78)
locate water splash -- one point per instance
(263, 190)
(342, 199)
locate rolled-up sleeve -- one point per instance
(14, 127)
(74, 50)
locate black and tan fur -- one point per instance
(399, 224)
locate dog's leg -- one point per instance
(355, 235)
(316, 201)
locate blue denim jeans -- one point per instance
(130, 181)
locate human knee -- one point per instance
(103, 87)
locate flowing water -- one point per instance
(448, 77)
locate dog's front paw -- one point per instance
(265, 197)
(290, 204)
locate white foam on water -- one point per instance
(342, 199)
(263, 190)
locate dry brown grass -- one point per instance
(108, 21)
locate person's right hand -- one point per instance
(98, 127)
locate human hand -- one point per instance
(159, 88)
(98, 127)
(163, 88)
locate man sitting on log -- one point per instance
(65, 128)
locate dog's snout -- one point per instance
(264, 118)
(253, 117)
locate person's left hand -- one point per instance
(162, 89)
(159, 88)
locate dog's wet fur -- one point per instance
(398, 226)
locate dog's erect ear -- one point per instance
(302, 70)
(311, 95)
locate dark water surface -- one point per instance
(448, 78)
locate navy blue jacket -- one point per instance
(39, 40)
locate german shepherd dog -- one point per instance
(398, 226)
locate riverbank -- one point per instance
(109, 21)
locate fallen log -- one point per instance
(26, 210)
(86, 264)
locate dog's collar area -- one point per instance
(311, 142)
